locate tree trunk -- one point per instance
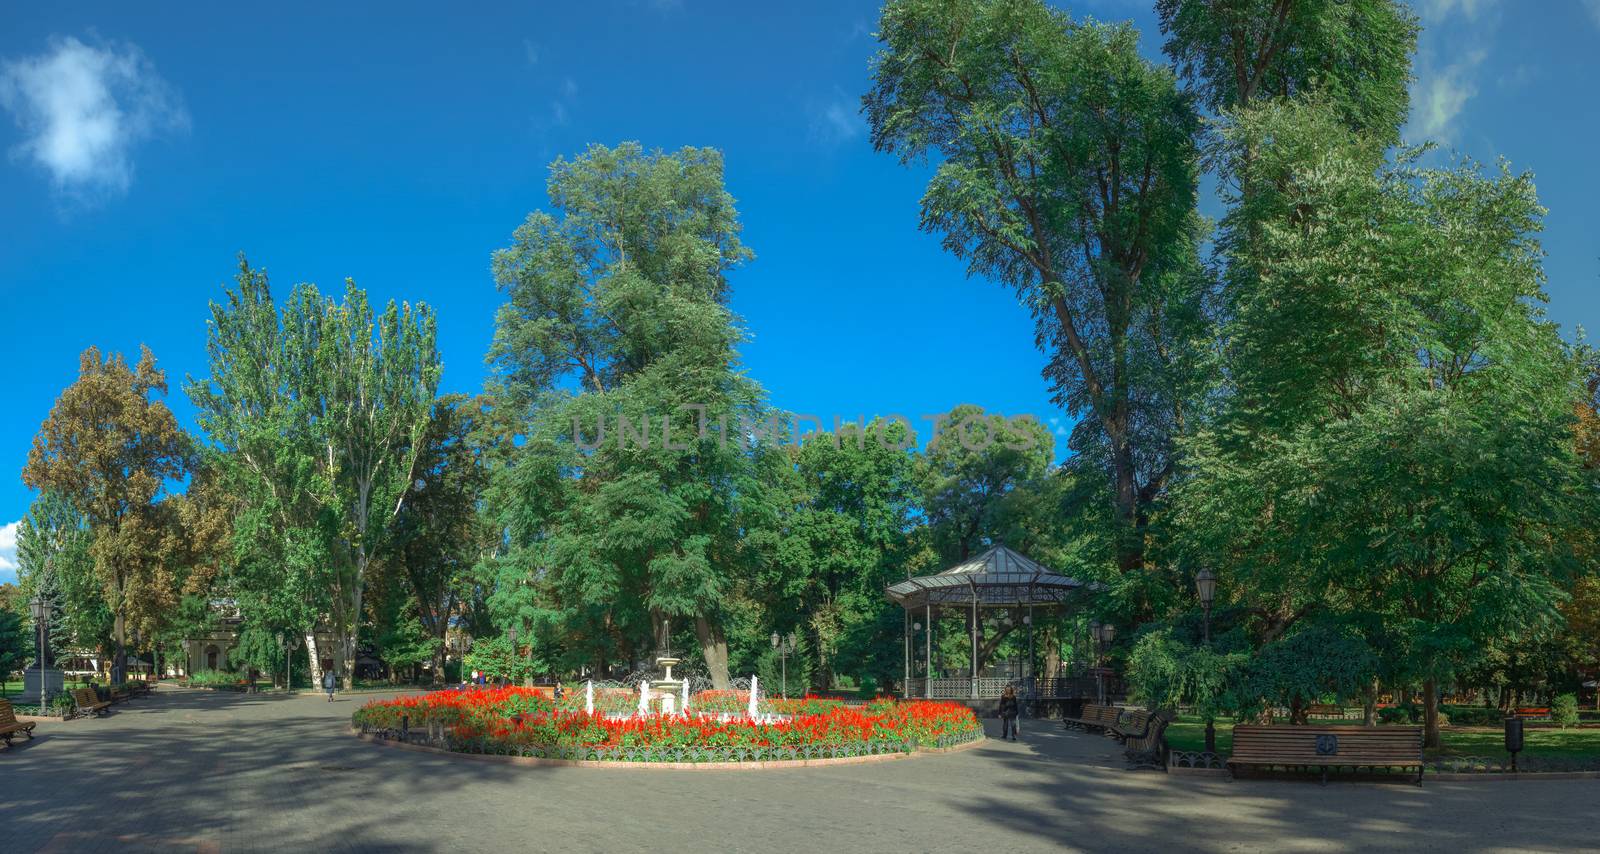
(1052, 654)
(714, 648)
(315, 660)
(1430, 713)
(1369, 706)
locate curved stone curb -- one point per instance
(1506, 776)
(771, 765)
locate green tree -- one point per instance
(617, 320)
(54, 563)
(975, 466)
(1240, 52)
(320, 413)
(16, 644)
(841, 541)
(1067, 169)
(110, 448)
(438, 536)
(1396, 439)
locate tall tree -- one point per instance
(617, 311)
(53, 560)
(1067, 171)
(975, 462)
(320, 414)
(439, 535)
(1356, 53)
(1396, 440)
(110, 448)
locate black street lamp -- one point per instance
(784, 646)
(1102, 635)
(290, 643)
(1205, 584)
(39, 609)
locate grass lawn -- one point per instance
(1189, 733)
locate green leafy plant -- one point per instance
(1564, 710)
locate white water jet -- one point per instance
(644, 697)
(588, 696)
(754, 689)
(686, 695)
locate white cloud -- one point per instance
(1440, 97)
(531, 50)
(836, 121)
(82, 108)
(1593, 7)
(1438, 10)
(8, 552)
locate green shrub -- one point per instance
(1409, 714)
(1564, 710)
(1474, 716)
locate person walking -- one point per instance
(329, 683)
(1008, 713)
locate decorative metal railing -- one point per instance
(1195, 759)
(439, 738)
(990, 687)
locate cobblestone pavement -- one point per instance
(198, 771)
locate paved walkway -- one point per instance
(192, 770)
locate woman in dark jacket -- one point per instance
(1008, 713)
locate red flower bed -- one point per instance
(512, 720)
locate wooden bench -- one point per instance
(1327, 747)
(1144, 735)
(10, 726)
(88, 702)
(1094, 718)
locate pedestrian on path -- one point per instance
(329, 683)
(1008, 713)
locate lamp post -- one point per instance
(1102, 634)
(290, 642)
(784, 646)
(1205, 584)
(39, 609)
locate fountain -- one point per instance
(666, 688)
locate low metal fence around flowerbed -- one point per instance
(520, 722)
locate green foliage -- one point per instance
(1469, 715)
(498, 660)
(617, 311)
(214, 679)
(1318, 663)
(1067, 169)
(1164, 672)
(317, 414)
(1355, 52)
(1564, 710)
(16, 643)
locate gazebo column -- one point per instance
(927, 653)
(974, 683)
(905, 686)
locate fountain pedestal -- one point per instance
(666, 688)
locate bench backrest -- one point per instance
(1153, 726)
(7, 715)
(85, 696)
(1328, 745)
(1107, 715)
(1134, 720)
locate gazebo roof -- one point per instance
(997, 577)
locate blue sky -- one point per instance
(145, 145)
